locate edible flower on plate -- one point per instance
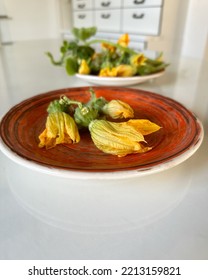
(60, 129)
(67, 118)
(92, 56)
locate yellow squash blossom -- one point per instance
(108, 72)
(108, 47)
(138, 59)
(60, 128)
(118, 109)
(125, 70)
(122, 70)
(84, 68)
(118, 139)
(124, 40)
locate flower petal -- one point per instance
(144, 126)
(124, 40)
(118, 109)
(125, 70)
(60, 128)
(107, 72)
(116, 138)
(84, 68)
(138, 59)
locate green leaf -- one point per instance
(71, 66)
(95, 63)
(107, 64)
(68, 46)
(85, 52)
(154, 62)
(145, 70)
(150, 69)
(84, 33)
(64, 47)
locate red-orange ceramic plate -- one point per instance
(180, 136)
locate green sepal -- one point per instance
(83, 116)
(96, 103)
(55, 106)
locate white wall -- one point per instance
(65, 15)
(33, 19)
(195, 41)
(184, 29)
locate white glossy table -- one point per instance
(160, 216)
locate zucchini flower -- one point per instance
(124, 70)
(60, 128)
(124, 40)
(108, 72)
(108, 47)
(118, 139)
(84, 68)
(138, 59)
(118, 109)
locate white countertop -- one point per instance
(160, 216)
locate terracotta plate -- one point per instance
(179, 138)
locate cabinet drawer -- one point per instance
(107, 4)
(108, 20)
(144, 21)
(141, 3)
(82, 4)
(83, 19)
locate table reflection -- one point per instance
(98, 206)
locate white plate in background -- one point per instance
(118, 81)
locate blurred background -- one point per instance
(168, 26)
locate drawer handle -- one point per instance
(81, 6)
(105, 4)
(135, 16)
(4, 17)
(139, 2)
(105, 16)
(81, 16)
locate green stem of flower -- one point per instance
(67, 101)
(124, 49)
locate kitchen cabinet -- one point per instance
(108, 20)
(133, 16)
(83, 5)
(145, 21)
(105, 4)
(83, 19)
(142, 3)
